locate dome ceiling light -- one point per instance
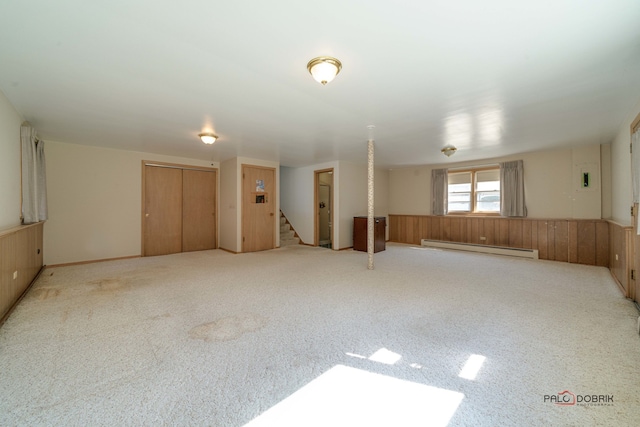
(324, 68)
(449, 151)
(208, 137)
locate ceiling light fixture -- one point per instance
(448, 151)
(324, 68)
(208, 138)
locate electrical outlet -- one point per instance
(483, 238)
(616, 257)
(15, 275)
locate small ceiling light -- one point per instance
(448, 151)
(208, 138)
(324, 68)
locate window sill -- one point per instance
(478, 214)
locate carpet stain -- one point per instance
(45, 293)
(160, 316)
(227, 328)
(111, 284)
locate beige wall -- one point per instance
(350, 198)
(10, 122)
(410, 190)
(352, 185)
(607, 189)
(229, 205)
(586, 203)
(95, 201)
(622, 194)
(551, 184)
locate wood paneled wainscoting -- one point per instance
(621, 256)
(20, 262)
(581, 241)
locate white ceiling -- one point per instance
(493, 78)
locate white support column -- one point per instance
(370, 221)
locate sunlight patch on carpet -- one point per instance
(385, 356)
(346, 396)
(472, 367)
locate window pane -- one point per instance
(459, 178)
(459, 202)
(489, 175)
(488, 201)
(457, 188)
(487, 194)
(474, 191)
(488, 186)
(459, 192)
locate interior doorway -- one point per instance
(324, 208)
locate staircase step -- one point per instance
(289, 234)
(291, 241)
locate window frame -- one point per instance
(473, 171)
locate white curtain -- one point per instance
(439, 191)
(512, 189)
(34, 177)
(635, 168)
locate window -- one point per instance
(474, 191)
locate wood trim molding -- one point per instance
(18, 228)
(92, 261)
(316, 212)
(635, 124)
(621, 256)
(177, 166)
(230, 251)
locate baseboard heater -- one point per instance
(487, 249)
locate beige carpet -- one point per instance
(304, 336)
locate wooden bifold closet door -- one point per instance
(179, 210)
(198, 210)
